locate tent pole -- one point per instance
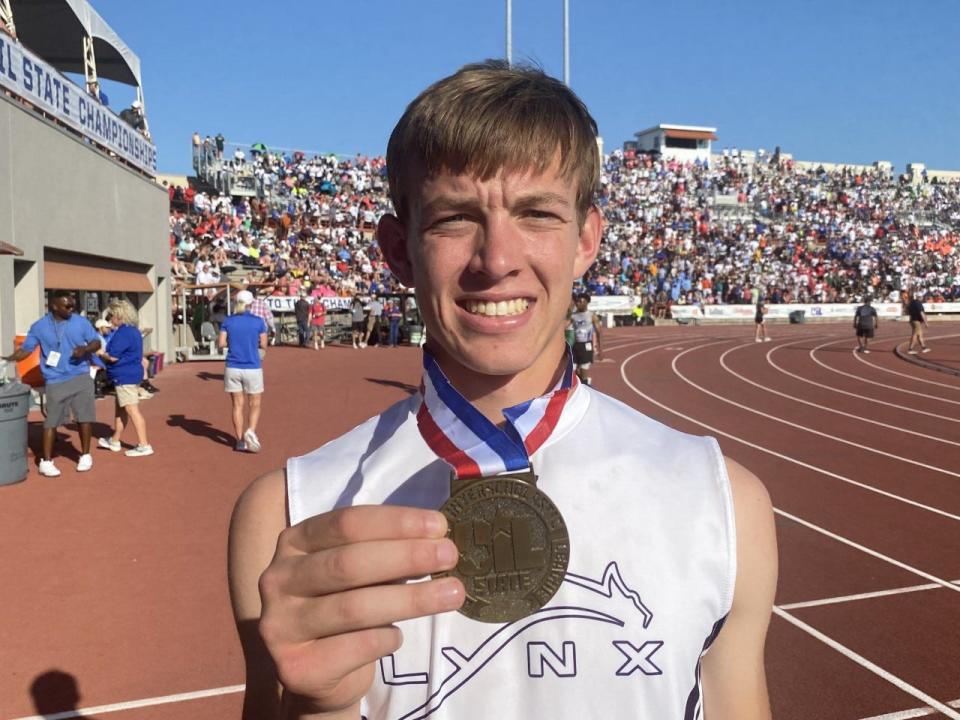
(6, 16)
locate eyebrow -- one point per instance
(446, 203)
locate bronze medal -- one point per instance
(513, 545)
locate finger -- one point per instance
(362, 523)
(373, 607)
(363, 564)
(326, 663)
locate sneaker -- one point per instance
(766, 339)
(241, 446)
(926, 350)
(252, 441)
(911, 352)
(144, 394)
(757, 340)
(84, 463)
(139, 451)
(48, 468)
(363, 345)
(109, 444)
(866, 352)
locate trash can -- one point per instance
(14, 406)
(797, 317)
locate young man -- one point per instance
(245, 337)
(759, 319)
(358, 327)
(67, 343)
(586, 337)
(865, 322)
(492, 175)
(918, 321)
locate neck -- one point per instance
(490, 394)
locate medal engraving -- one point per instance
(513, 543)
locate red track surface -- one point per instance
(117, 577)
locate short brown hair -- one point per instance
(489, 116)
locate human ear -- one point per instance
(392, 238)
(588, 242)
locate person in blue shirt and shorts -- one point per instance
(67, 342)
(124, 360)
(245, 337)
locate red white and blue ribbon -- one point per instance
(472, 445)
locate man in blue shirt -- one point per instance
(245, 336)
(66, 342)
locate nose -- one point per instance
(499, 249)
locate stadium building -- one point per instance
(686, 143)
(80, 207)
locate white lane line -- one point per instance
(868, 665)
(788, 458)
(859, 396)
(859, 356)
(862, 596)
(826, 408)
(134, 704)
(910, 714)
(798, 426)
(813, 356)
(873, 553)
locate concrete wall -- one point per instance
(59, 194)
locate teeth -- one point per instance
(494, 309)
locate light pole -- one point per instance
(566, 42)
(509, 32)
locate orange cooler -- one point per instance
(29, 368)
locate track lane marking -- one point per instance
(859, 356)
(910, 714)
(861, 596)
(830, 642)
(826, 408)
(869, 551)
(798, 426)
(868, 665)
(831, 388)
(813, 357)
(795, 461)
(134, 704)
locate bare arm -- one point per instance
(263, 341)
(258, 519)
(222, 339)
(733, 676)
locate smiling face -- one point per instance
(493, 262)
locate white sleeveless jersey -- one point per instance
(650, 580)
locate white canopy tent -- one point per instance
(71, 36)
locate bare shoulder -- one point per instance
(734, 680)
(259, 516)
(756, 540)
(750, 497)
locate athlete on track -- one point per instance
(492, 176)
(586, 337)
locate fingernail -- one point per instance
(450, 593)
(446, 553)
(435, 523)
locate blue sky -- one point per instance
(840, 80)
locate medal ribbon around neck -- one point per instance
(472, 445)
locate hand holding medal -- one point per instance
(512, 541)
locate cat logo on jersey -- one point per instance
(608, 592)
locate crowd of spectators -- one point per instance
(676, 233)
(787, 233)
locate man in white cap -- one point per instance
(245, 336)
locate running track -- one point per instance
(116, 578)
